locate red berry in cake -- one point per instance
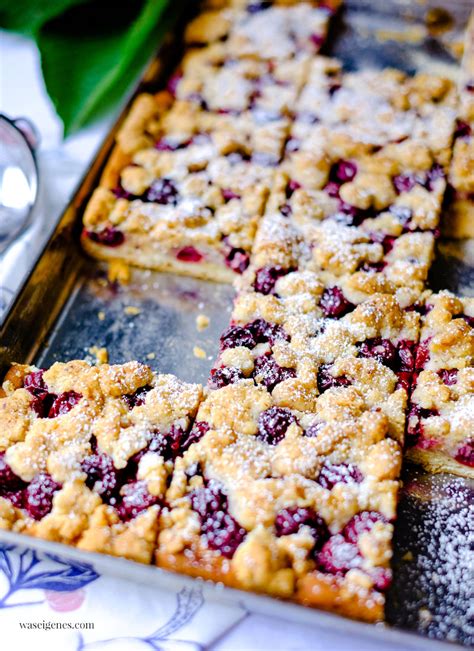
(338, 556)
(9, 482)
(360, 523)
(398, 358)
(164, 144)
(463, 130)
(174, 443)
(265, 332)
(108, 236)
(266, 278)
(468, 319)
(46, 404)
(292, 187)
(404, 380)
(17, 498)
(375, 267)
(414, 428)
(138, 398)
(173, 83)
(448, 376)
(207, 501)
(422, 354)
(317, 39)
(238, 260)
(102, 476)
(121, 193)
(286, 210)
(332, 189)
(334, 304)
(314, 430)
(223, 376)
(269, 373)
(258, 5)
(380, 349)
(344, 171)
(228, 194)
(220, 530)
(404, 182)
(42, 398)
(223, 533)
(273, 423)
(189, 254)
(158, 444)
(326, 380)
(406, 354)
(34, 383)
(235, 336)
(198, 430)
(162, 191)
(356, 215)
(434, 174)
(135, 499)
(341, 473)
(288, 521)
(64, 403)
(465, 453)
(381, 576)
(181, 440)
(39, 496)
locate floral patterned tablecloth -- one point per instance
(39, 591)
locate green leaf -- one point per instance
(29, 15)
(90, 60)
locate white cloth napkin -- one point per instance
(38, 593)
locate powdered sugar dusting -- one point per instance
(434, 558)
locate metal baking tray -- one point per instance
(56, 317)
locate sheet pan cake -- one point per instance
(318, 192)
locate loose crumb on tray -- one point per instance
(202, 322)
(199, 352)
(118, 271)
(131, 310)
(101, 354)
(425, 616)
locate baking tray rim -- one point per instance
(152, 575)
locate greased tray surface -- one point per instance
(433, 565)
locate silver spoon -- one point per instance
(18, 178)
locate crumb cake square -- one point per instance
(370, 149)
(439, 424)
(301, 339)
(358, 262)
(86, 453)
(270, 30)
(218, 82)
(369, 110)
(190, 202)
(295, 503)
